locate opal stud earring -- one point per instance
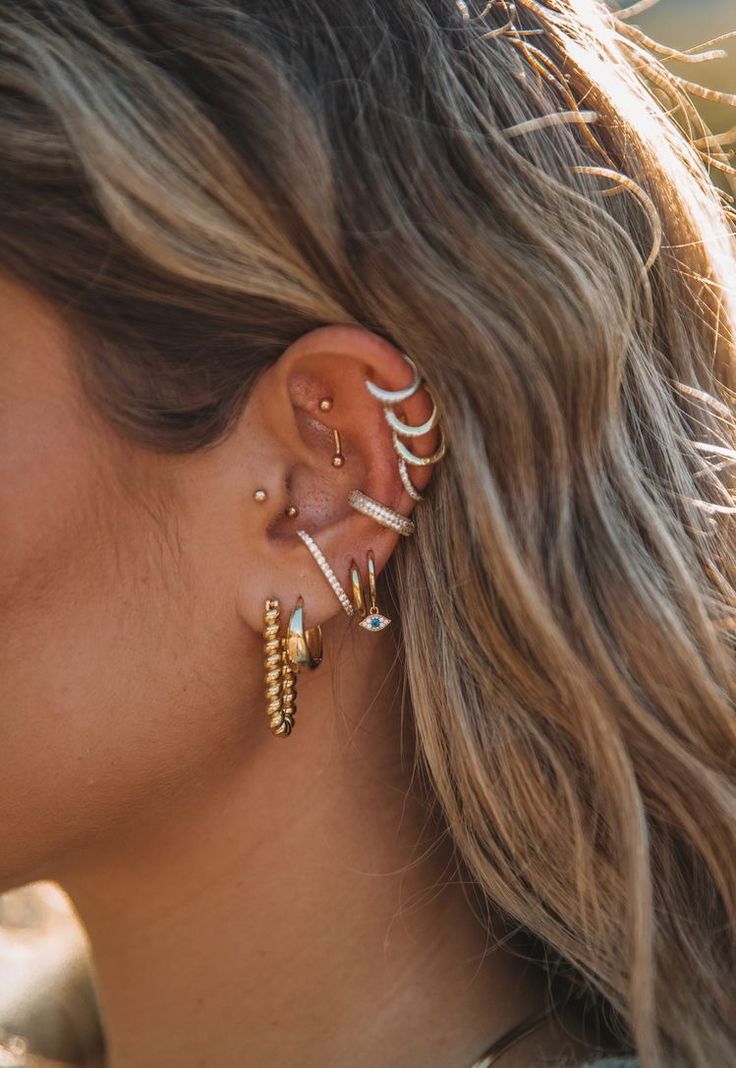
(405, 457)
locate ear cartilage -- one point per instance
(382, 514)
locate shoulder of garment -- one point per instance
(613, 1062)
(33, 1060)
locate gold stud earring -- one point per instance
(374, 619)
(260, 495)
(292, 511)
(325, 404)
(338, 459)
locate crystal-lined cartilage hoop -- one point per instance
(327, 571)
(382, 514)
(303, 646)
(396, 396)
(406, 430)
(405, 479)
(374, 619)
(419, 461)
(391, 397)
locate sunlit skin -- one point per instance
(251, 900)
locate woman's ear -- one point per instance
(314, 431)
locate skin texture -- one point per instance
(250, 900)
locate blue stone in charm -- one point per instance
(375, 621)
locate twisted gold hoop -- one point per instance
(279, 678)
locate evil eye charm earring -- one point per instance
(372, 619)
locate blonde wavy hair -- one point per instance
(520, 198)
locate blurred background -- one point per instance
(44, 965)
(684, 23)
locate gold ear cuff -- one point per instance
(384, 515)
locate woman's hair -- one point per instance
(517, 198)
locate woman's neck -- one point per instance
(296, 908)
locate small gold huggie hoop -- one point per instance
(304, 647)
(374, 620)
(358, 596)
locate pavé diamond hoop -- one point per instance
(326, 571)
(384, 515)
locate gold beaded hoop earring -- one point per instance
(283, 658)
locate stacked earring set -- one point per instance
(301, 647)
